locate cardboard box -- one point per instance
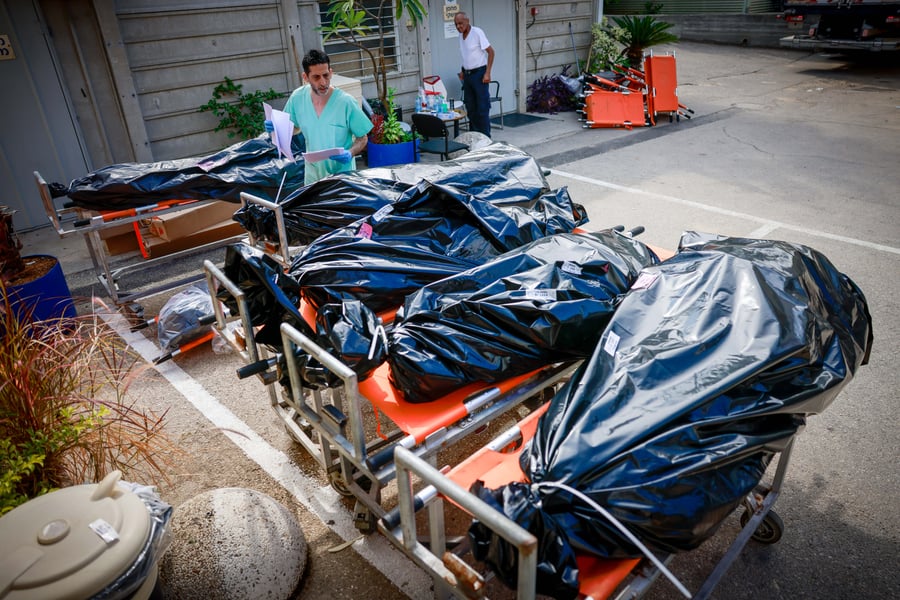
(122, 243)
(156, 246)
(117, 230)
(349, 85)
(190, 221)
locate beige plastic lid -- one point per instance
(71, 543)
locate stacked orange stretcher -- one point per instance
(628, 97)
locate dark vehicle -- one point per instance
(872, 25)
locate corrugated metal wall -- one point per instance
(178, 53)
(548, 37)
(675, 7)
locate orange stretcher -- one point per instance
(497, 464)
(605, 108)
(360, 462)
(634, 98)
(662, 88)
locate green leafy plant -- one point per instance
(357, 22)
(241, 114)
(641, 33)
(65, 414)
(606, 49)
(386, 125)
(653, 8)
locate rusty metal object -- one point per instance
(470, 582)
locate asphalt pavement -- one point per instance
(783, 145)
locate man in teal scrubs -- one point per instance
(328, 118)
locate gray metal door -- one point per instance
(37, 129)
(498, 20)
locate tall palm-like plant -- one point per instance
(643, 32)
(355, 20)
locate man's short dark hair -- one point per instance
(315, 57)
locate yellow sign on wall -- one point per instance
(6, 49)
(450, 11)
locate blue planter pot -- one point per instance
(383, 155)
(46, 297)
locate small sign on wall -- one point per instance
(450, 10)
(6, 49)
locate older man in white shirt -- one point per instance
(477, 60)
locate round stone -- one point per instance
(232, 544)
(473, 139)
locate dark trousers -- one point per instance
(477, 100)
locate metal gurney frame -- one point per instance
(239, 334)
(496, 464)
(361, 465)
(329, 422)
(106, 274)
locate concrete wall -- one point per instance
(760, 30)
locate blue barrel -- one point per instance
(47, 297)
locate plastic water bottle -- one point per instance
(421, 106)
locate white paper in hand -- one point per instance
(320, 155)
(284, 130)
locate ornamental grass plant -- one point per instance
(66, 416)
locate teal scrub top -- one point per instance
(341, 120)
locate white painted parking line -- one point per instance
(762, 231)
(322, 501)
(767, 225)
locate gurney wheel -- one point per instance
(363, 519)
(337, 482)
(769, 531)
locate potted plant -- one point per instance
(34, 286)
(357, 22)
(389, 143)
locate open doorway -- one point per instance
(498, 20)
